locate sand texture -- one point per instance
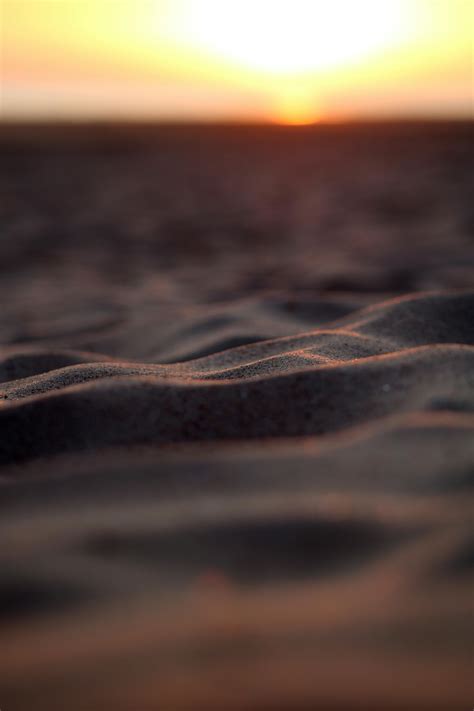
(236, 420)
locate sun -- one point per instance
(287, 49)
(291, 36)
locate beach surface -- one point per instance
(236, 418)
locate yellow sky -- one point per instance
(282, 60)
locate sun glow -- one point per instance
(295, 103)
(284, 46)
(292, 37)
(291, 61)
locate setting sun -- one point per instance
(292, 37)
(289, 41)
(293, 61)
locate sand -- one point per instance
(236, 458)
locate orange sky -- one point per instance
(292, 61)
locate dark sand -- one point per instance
(236, 418)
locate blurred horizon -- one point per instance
(205, 61)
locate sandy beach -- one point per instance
(236, 418)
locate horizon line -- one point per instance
(224, 121)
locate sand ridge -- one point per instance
(313, 383)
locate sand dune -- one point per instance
(197, 525)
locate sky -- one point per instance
(286, 61)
